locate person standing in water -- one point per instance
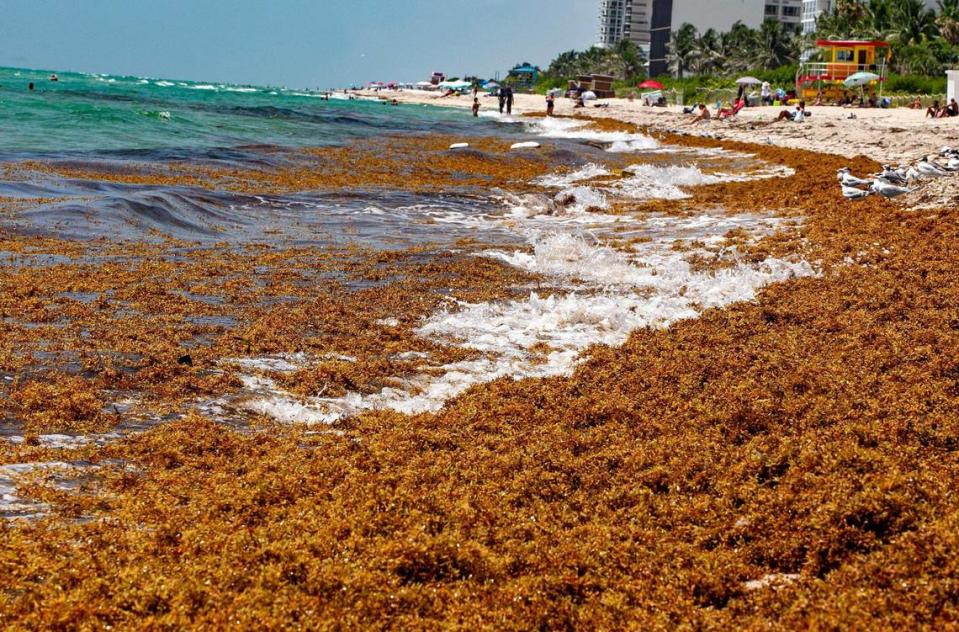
(475, 106)
(550, 103)
(509, 100)
(502, 99)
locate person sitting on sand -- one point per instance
(916, 104)
(726, 113)
(933, 110)
(796, 116)
(702, 116)
(953, 108)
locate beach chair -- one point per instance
(727, 113)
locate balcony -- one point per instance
(838, 71)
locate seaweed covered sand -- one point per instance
(787, 462)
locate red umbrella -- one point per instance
(651, 83)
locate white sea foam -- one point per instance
(14, 506)
(165, 84)
(611, 293)
(202, 86)
(579, 130)
(559, 180)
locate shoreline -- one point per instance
(888, 136)
(762, 465)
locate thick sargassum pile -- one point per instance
(785, 463)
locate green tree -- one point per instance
(775, 46)
(707, 55)
(565, 65)
(680, 49)
(948, 20)
(630, 62)
(913, 22)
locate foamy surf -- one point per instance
(610, 294)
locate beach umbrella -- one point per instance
(651, 83)
(860, 79)
(748, 81)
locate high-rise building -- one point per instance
(811, 10)
(625, 19)
(648, 23)
(789, 12)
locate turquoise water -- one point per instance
(107, 122)
(99, 113)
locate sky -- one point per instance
(293, 43)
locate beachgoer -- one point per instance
(395, 102)
(30, 86)
(730, 112)
(797, 116)
(702, 116)
(767, 97)
(953, 108)
(580, 102)
(475, 90)
(933, 110)
(501, 93)
(916, 104)
(550, 104)
(509, 100)
(475, 106)
(54, 77)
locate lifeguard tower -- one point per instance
(835, 61)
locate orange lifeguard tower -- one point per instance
(837, 60)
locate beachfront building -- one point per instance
(811, 10)
(625, 20)
(789, 12)
(669, 15)
(648, 23)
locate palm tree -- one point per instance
(565, 65)
(680, 52)
(913, 22)
(593, 59)
(739, 45)
(707, 53)
(630, 58)
(948, 20)
(776, 46)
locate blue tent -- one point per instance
(527, 75)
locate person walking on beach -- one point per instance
(550, 103)
(476, 106)
(501, 93)
(509, 100)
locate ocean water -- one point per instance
(87, 115)
(598, 292)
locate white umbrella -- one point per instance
(860, 79)
(748, 81)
